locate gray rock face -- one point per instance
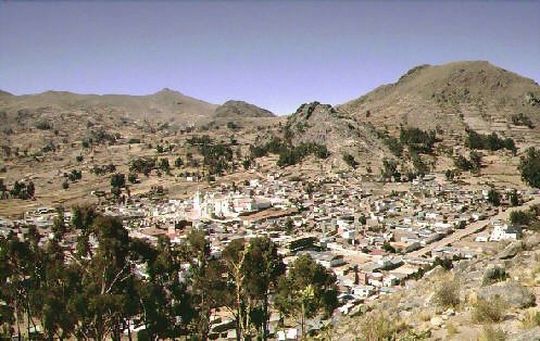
(513, 293)
(511, 250)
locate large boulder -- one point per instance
(529, 335)
(511, 250)
(513, 293)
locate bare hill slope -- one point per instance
(454, 96)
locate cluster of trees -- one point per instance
(529, 166)
(19, 190)
(217, 157)
(390, 169)
(491, 142)
(97, 291)
(288, 153)
(143, 165)
(74, 175)
(527, 218)
(295, 154)
(163, 149)
(103, 169)
(393, 145)
(418, 140)
(473, 163)
(99, 136)
(522, 120)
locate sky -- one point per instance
(275, 54)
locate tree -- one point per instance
(389, 169)
(476, 160)
(118, 180)
(462, 163)
(529, 166)
(494, 197)
(520, 218)
(105, 277)
(164, 299)
(306, 290)
(206, 285)
(164, 165)
(263, 268)
(349, 160)
(514, 198)
(178, 162)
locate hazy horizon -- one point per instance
(276, 55)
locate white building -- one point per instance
(505, 232)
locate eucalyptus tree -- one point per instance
(307, 290)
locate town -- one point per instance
(373, 237)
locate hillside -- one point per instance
(240, 109)
(164, 105)
(323, 124)
(454, 96)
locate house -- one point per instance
(363, 291)
(505, 232)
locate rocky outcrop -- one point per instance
(513, 293)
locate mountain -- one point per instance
(164, 105)
(239, 109)
(452, 97)
(341, 134)
(5, 94)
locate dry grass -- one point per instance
(490, 333)
(492, 311)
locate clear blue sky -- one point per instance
(274, 54)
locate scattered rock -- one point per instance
(436, 321)
(513, 293)
(449, 312)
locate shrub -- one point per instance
(494, 274)
(43, 125)
(79, 158)
(447, 294)
(491, 311)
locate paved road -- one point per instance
(470, 229)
